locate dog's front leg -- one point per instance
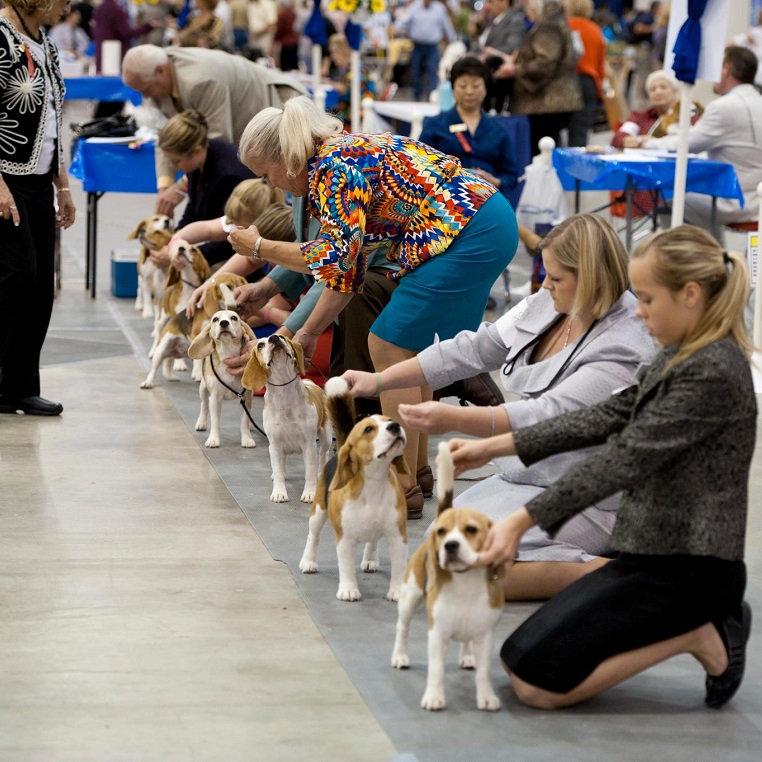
(198, 370)
(398, 556)
(370, 561)
(309, 564)
(278, 464)
(246, 439)
(139, 295)
(410, 597)
(310, 471)
(215, 410)
(346, 550)
(156, 361)
(434, 696)
(485, 694)
(467, 660)
(203, 394)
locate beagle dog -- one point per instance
(219, 296)
(359, 491)
(153, 233)
(294, 414)
(463, 602)
(188, 270)
(222, 337)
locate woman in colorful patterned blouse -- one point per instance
(31, 163)
(451, 233)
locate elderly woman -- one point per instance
(31, 163)
(469, 134)
(567, 347)
(450, 232)
(653, 122)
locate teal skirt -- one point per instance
(448, 293)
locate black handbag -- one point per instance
(119, 126)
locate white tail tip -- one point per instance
(445, 470)
(228, 297)
(336, 387)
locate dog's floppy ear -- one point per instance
(173, 276)
(247, 331)
(298, 356)
(347, 467)
(211, 299)
(202, 345)
(200, 265)
(138, 230)
(255, 375)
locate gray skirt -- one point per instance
(583, 538)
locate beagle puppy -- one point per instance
(153, 233)
(187, 271)
(360, 493)
(221, 338)
(219, 296)
(294, 414)
(463, 602)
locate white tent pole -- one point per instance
(681, 164)
(317, 70)
(757, 332)
(355, 91)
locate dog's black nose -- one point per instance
(274, 338)
(451, 546)
(224, 323)
(393, 427)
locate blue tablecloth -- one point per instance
(113, 167)
(99, 88)
(713, 178)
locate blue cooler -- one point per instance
(124, 272)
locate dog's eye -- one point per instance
(215, 319)
(471, 529)
(260, 344)
(368, 430)
(234, 318)
(441, 532)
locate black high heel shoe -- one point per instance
(735, 635)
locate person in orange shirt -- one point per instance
(590, 67)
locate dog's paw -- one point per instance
(307, 497)
(198, 377)
(400, 660)
(393, 595)
(248, 442)
(200, 425)
(147, 314)
(212, 442)
(370, 565)
(147, 384)
(488, 703)
(308, 567)
(276, 496)
(433, 701)
(179, 365)
(467, 658)
(348, 594)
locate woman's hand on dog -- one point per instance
(237, 365)
(196, 298)
(429, 417)
(160, 257)
(243, 239)
(502, 543)
(252, 297)
(468, 454)
(361, 383)
(308, 341)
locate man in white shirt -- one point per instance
(730, 130)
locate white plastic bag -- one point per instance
(542, 203)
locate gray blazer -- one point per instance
(679, 444)
(228, 90)
(508, 33)
(587, 372)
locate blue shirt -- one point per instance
(427, 25)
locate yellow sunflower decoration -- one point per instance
(352, 6)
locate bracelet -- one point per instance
(266, 314)
(64, 190)
(255, 250)
(492, 426)
(379, 384)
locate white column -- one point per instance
(756, 358)
(355, 91)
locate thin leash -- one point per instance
(240, 398)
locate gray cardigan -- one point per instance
(586, 372)
(679, 445)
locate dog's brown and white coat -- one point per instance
(361, 495)
(294, 414)
(188, 270)
(223, 337)
(463, 602)
(153, 233)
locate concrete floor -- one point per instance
(142, 618)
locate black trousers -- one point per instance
(27, 283)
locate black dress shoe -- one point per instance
(31, 406)
(734, 634)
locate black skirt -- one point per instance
(631, 602)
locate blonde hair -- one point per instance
(689, 254)
(589, 247)
(276, 223)
(183, 132)
(288, 134)
(583, 8)
(249, 200)
(29, 7)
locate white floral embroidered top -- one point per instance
(27, 82)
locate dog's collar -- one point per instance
(188, 283)
(270, 383)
